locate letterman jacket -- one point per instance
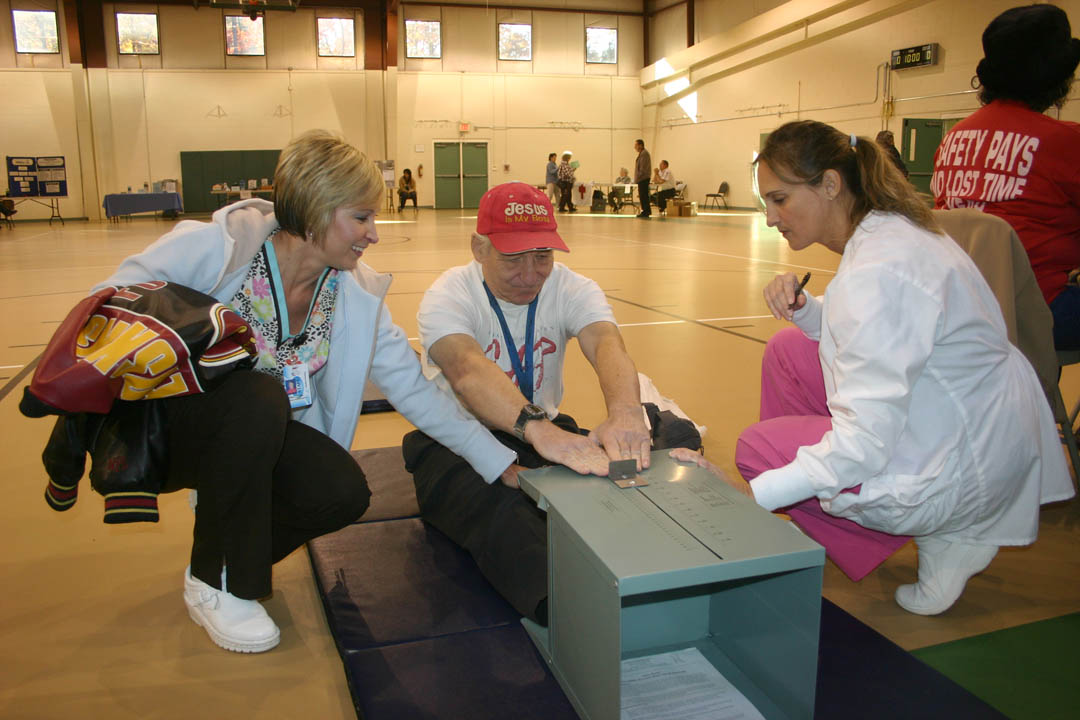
(117, 347)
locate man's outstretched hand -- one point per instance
(624, 436)
(577, 452)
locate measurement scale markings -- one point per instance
(688, 530)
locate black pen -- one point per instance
(798, 291)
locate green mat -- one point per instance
(1025, 672)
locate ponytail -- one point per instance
(883, 187)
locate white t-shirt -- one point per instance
(667, 180)
(457, 304)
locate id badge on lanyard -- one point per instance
(297, 381)
(524, 374)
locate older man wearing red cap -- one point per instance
(494, 334)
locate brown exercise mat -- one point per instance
(392, 492)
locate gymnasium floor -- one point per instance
(92, 624)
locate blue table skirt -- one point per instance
(128, 203)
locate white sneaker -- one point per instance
(232, 623)
(944, 569)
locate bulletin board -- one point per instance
(37, 176)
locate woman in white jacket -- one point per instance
(897, 402)
(273, 469)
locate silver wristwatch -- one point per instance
(528, 413)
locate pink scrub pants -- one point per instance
(794, 413)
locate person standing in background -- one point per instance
(566, 184)
(551, 179)
(642, 173)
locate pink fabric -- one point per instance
(794, 413)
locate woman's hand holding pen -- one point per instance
(784, 295)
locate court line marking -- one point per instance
(729, 255)
(13, 382)
(702, 323)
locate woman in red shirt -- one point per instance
(1011, 160)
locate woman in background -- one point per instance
(406, 189)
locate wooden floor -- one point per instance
(92, 624)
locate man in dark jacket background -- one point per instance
(642, 174)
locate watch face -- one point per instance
(534, 412)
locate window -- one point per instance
(35, 31)
(423, 39)
(336, 37)
(515, 41)
(601, 45)
(243, 36)
(137, 33)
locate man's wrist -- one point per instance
(535, 430)
(624, 409)
(530, 414)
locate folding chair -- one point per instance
(7, 209)
(624, 197)
(1068, 421)
(720, 194)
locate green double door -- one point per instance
(919, 143)
(461, 174)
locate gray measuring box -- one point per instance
(684, 561)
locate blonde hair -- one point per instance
(318, 173)
(807, 148)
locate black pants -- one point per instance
(500, 527)
(566, 196)
(643, 196)
(267, 484)
(662, 198)
(403, 196)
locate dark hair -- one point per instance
(1029, 57)
(552, 156)
(639, 140)
(407, 171)
(885, 137)
(801, 151)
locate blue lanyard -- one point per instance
(524, 374)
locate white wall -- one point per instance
(832, 81)
(122, 126)
(469, 40)
(523, 118)
(667, 31)
(715, 16)
(126, 124)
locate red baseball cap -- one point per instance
(517, 217)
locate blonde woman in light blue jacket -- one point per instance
(274, 471)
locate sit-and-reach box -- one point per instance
(685, 561)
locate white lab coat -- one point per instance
(938, 417)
